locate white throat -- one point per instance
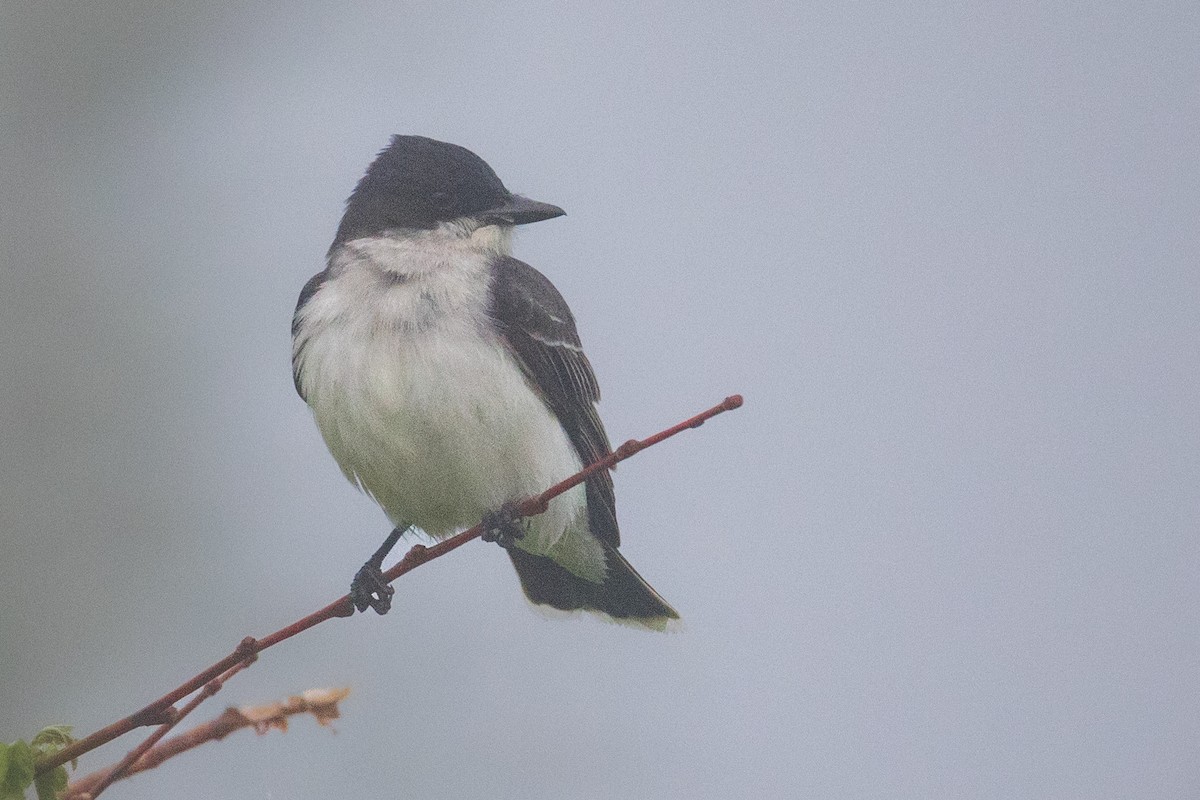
(408, 251)
(408, 280)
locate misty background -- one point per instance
(948, 252)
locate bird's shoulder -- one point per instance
(524, 299)
(306, 294)
(310, 288)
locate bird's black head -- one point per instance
(417, 183)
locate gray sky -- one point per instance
(948, 253)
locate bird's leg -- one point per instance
(369, 589)
(504, 527)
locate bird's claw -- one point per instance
(370, 589)
(504, 526)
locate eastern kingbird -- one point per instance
(449, 382)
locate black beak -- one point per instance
(519, 210)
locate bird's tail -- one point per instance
(624, 595)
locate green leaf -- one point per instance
(53, 738)
(51, 783)
(18, 764)
(20, 768)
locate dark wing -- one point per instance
(540, 330)
(306, 294)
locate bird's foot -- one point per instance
(504, 527)
(370, 589)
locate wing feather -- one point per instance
(539, 329)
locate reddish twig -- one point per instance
(105, 778)
(321, 703)
(158, 712)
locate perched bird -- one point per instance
(449, 382)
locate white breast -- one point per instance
(421, 405)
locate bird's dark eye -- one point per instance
(441, 201)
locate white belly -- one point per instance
(437, 423)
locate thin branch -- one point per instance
(159, 712)
(122, 767)
(321, 703)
